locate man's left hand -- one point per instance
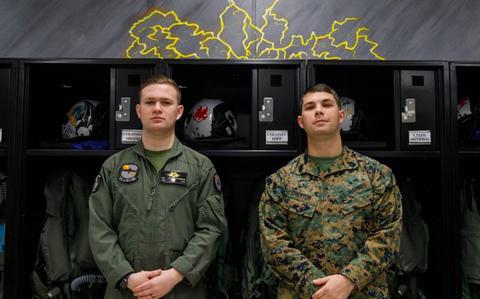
(333, 287)
(158, 286)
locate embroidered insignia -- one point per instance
(96, 184)
(128, 173)
(173, 177)
(217, 183)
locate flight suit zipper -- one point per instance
(153, 183)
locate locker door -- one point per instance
(277, 108)
(127, 125)
(418, 119)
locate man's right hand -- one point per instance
(138, 278)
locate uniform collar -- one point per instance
(177, 149)
(345, 161)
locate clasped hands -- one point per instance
(333, 287)
(153, 284)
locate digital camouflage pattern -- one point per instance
(346, 221)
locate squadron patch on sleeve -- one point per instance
(128, 173)
(217, 183)
(96, 184)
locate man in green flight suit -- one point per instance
(330, 220)
(156, 208)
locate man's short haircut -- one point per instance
(159, 79)
(320, 87)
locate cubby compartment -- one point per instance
(388, 106)
(467, 218)
(232, 86)
(468, 106)
(238, 107)
(371, 106)
(39, 177)
(67, 104)
(243, 181)
(420, 179)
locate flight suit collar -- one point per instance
(346, 161)
(176, 150)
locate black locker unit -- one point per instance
(52, 89)
(127, 125)
(261, 94)
(381, 91)
(47, 89)
(399, 102)
(465, 100)
(8, 72)
(379, 88)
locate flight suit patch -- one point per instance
(96, 184)
(217, 183)
(173, 177)
(128, 173)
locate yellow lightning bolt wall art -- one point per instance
(165, 35)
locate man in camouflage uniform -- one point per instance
(330, 220)
(156, 209)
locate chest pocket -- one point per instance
(356, 197)
(356, 203)
(300, 203)
(126, 197)
(353, 204)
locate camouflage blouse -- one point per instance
(346, 220)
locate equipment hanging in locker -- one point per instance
(412, 258)
(65, 267)
(468, 118)
(3, 203)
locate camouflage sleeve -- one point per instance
(288, 263)
(384, 241)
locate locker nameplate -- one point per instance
(276, 137)
(419, 137)
(131, 136)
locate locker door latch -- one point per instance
(408, 115)
(123, 112)
(266, 115)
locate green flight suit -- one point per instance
(346, 220)
(141, 219)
